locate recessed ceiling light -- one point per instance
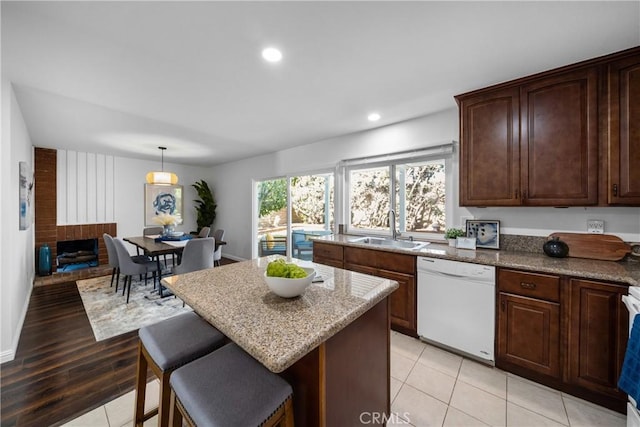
(373, 117)
(271, 54)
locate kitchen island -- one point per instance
(331, 343)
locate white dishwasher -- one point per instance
(456, 306)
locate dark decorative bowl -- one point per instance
(556, 248)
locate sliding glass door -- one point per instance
(286, 225)
(312, 199)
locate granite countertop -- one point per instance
(615, 271)
(278, 331)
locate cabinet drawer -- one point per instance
(327, 251)
(533, 285)
(381, 259)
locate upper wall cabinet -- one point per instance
(536, 141)
(490, 148)
(624, 131)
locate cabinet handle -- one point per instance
(527, 285)
(615, 189)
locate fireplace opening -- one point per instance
(77, 254)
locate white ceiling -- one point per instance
(123, 78)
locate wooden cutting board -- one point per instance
(604, 247)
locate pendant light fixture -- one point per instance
(162, 178)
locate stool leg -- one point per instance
(141, 387)
(175, 414)
(165, 400)
(288, 413)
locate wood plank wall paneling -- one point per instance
(47, 201)
(85, 187)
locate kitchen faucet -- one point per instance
(392, 224)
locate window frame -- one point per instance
(444, 152)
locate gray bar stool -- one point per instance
(164, 347)
(229, 388)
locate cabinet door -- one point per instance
(559, 139)
(598, 334)
(529, 334)
(489, 149)
(403, 302)
(624, 131)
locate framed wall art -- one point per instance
(486, 232)
(25, 179)
(162, 199)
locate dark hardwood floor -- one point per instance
(60, 371)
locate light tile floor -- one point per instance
(433, 387)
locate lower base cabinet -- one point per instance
(598, 334)
(402, 301)
(529, 334)
(567, 333)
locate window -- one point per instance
(413, 186)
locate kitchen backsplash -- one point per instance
(517, 243)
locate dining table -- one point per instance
(332, 343)
(153, 247)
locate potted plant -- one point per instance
(206, 207)
(452, 234)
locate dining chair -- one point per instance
(197, 255)
(204, 232)
(217, 255)
(130, 268)
(113, 259)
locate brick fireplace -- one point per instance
(46, 228)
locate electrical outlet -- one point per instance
(595, 226)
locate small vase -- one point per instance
(556, 248)
(44, 261)
(167, 230)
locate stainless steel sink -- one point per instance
(384, 242)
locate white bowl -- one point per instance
(176, 233)
(289, 288)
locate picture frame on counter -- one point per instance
(486, 232)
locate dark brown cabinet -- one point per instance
(393, 266)
(528, 322)
(598, 328)
(623, 136)
(490, 131)
(326, 253)
(564, 332)
(559, 139)
(565, 137)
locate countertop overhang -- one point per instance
(278, 331)
(621, 271)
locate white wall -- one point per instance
(16, 246)
(234, 184)
(129, 179)
(234, 180)
(100, 188)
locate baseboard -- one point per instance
(233, 257)
(9, 355)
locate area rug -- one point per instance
(110, 315)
